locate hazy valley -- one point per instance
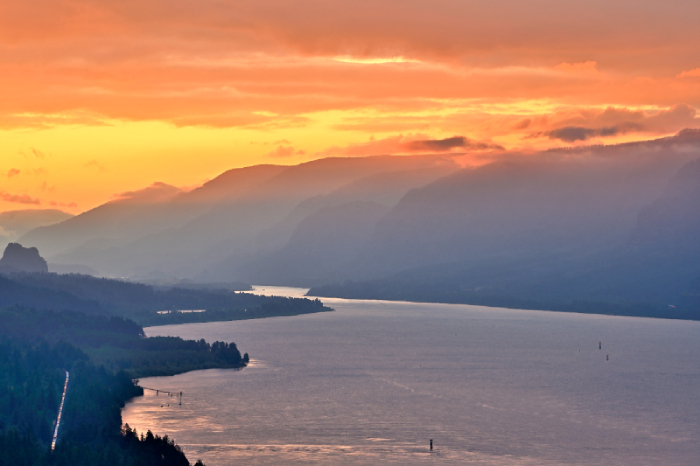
(615, 224)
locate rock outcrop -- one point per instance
(20, 259)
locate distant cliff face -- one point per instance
(671, 224)
(20, 259)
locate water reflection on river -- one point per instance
(372, 382)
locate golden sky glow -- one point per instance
(99, 97)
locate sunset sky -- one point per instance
(98, 97)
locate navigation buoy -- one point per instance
(431, 444)
(607, 357)
(600, 345)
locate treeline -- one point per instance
(34, 356)
(138, 302)
(31, 384)
(430, 292)
(32, 377)
(161, 356)
(118, 343)
(12, 292)
(275, 307)
(72, 326)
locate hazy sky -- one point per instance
(103, 96)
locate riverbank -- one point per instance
(374, 381)
(399, 291)
(104, 357)
(276, 307)
(144, 304)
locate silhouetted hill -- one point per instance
(518, 209)
(14, 293)
(188, 233)
(15, 223)
(671, 224)
(236, 228)
(385, 188)
(649, 263)
(97, 238)
(615, 224)
(323, 242)
(281, 257)
(142, 303)
(128, 215)
(17, 258)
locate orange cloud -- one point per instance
(284, 152)
(96, 165)
(219, 64)
(581, 133)
(415, 143)
(45, 187)
(694, 73)
(13, 172)
(71, 205)
(154, 193)
(327, 75)
(583, 67)
(18, 198)
(612, 122)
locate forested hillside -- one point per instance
(568, 243)
(242, 214)
(118, 343)
(142, 303)
(105, 354)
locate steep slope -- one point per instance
(15, 223)
(138, 214)
(662, 255)
(20, 259)
(625, 243)
(232, 225)
(274, 200)
(13, 293)
(517, 210)
(121, 218)
(671, 224)
(320, 246)
(384, 188)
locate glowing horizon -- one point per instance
(101, 98)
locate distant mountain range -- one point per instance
(613, 223)
(236, 218)
(617, 224)
(15, 223)
(25, 283)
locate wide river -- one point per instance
(374, 381)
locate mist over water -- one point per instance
(373, 381)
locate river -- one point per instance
(374, 381)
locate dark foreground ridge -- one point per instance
(147, 305)
(104, 356)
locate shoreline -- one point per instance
(563, 309)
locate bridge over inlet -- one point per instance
(167, 392)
